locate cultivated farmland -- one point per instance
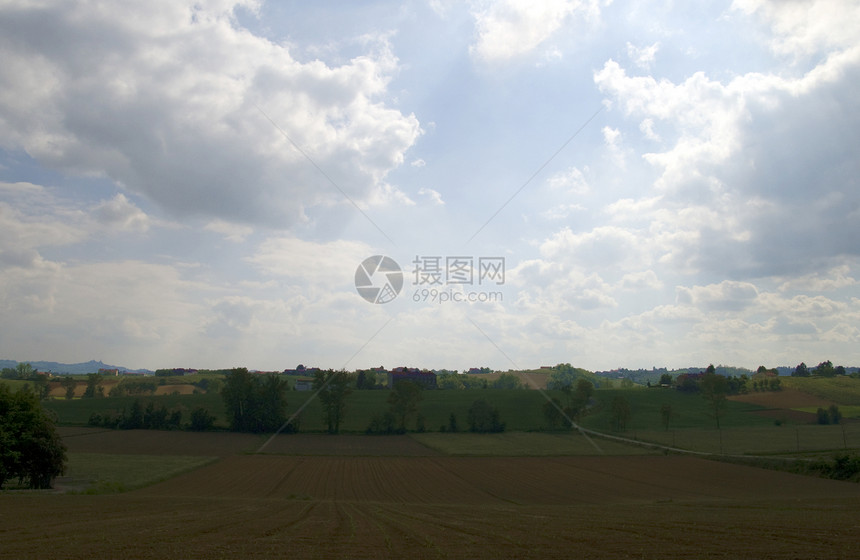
(316, 496)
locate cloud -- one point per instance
(236, 233)
(433, 196)
(833, 279)
(571, 180)
(322, 265)
(804, 27)
(510, 28)
(637, 281)
(177, 102)
(725, 296)
(120, 213)
(643, 57)
(757, 163)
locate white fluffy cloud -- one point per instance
(173, 100)
(510, 28)
(746, 157)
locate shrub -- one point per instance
(201, 420)
(484, 418)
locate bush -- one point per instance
(484, 418)
(385, 423)
(201, 420)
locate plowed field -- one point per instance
(262, 506)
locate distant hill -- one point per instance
(76, 369)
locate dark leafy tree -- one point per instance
(42, 385)
(134, 418)
(554, 413)
(825, 369)
(834, 414)
(254, 403)
(384, 423)
(620, 413)
(666, 415)
(201, 420)
(69, 385)
(484, 418)
(30, 448)
(507, 381)
(666, 379)
(94, 386)
(403, 401)
(714, 388)
(452, 423)
(800, 371)
(332, 388)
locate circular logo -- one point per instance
(378, 279)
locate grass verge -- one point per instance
(100, 473)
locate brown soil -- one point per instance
(429, 507)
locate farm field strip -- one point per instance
(140, 526)
(473, 480)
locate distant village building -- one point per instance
(302, 370)
(425, 378)
(106, 371)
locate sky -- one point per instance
(602, 183)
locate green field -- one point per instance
(101, 473)
(841, 390)
(688, 411)
(16, 384)
(521, 410)
(76, 412)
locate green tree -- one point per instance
(666, 379)
(800, 371)
(403, 401)
(69, 385)
(484, 418)
(201, 420)
(507, 381)
(714, 388)
(554, 413)
(332, 388)
(42, 384)
(30, 448)
(450, 381)
(825, 369)
(834, 414)
(94, 386)
(565, 375)
(620, 413)
(21, 370)
(666, 415)
(254, 403)
(452, 423)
